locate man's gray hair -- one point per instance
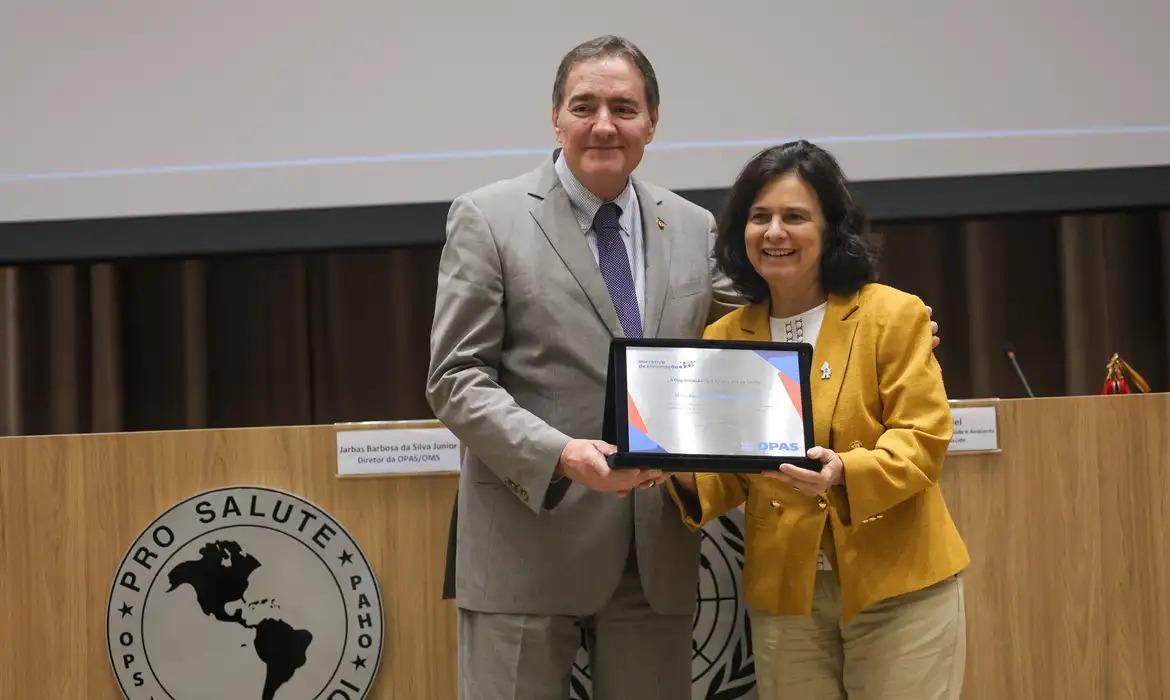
(607, 46)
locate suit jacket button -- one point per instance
(774, 503)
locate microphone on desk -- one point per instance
(1010, 351)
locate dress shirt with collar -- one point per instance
(585, 205)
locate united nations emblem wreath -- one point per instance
(244, 592)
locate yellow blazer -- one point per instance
(884, 410)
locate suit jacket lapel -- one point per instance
(657, 242)
(554, 216)
(834, 343)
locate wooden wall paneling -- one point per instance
(12, 344)
(1113, 292)
(927, 260)
(1013, 297)
(67, 387)
(157, 299)
(258, 339)
(106, 376)
(1164, 230)
(984, 257)
(371, 323)
(415, 276)
(192, 345)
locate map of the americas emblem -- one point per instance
(244, 593)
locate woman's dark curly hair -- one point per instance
(847, 259)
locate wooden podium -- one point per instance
(71, 505)
(1068, 592)
(1068, 595)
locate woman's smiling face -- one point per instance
(784, 235)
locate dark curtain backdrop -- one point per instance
(299, 339)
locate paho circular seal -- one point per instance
(244, 592)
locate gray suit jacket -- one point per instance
(519, 348)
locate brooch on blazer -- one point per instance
(661, 224)
(825, 371)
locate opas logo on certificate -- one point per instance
(714, 401)
(763, 447)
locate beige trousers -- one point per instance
(912, 647)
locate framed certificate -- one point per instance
(709, 405)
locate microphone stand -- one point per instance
(1011, 355)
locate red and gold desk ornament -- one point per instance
(1118, 374)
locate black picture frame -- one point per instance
(616, 420)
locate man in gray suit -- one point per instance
(538, 274)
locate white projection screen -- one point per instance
(136, 107)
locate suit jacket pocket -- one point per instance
(764, 507)
(479, 473)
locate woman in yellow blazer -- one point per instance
(850, 573)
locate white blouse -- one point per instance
(801, 328)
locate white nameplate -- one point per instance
(976, 429)
(397, 451)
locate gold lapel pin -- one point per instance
(825, 371)
(661, 224)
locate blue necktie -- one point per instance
(615, 268)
